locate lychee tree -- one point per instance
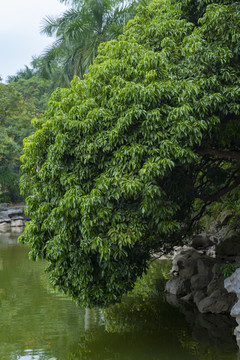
(125, 161)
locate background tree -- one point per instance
(21, 100)
(80, 30)
(129, 154)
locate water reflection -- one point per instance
(210, 330)
(39, 324)
(35, 321)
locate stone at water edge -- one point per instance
(178, 286)
(232, 285)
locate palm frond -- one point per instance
(81, 29)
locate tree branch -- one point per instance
(208, 200)
(221, 154)
(224, 190)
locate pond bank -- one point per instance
(12, 216)
(201, 273)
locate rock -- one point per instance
(188, 297)
(4, 215)
(178, 286)
(12, 216)
(237, 261)
(5, 226)
(214, 239)
(201, 241)
(235, 312)
(199, 278)
(232, 283)
(198, 296)
(229, 247)
(213, 330)
(216, 269)
(215, 284)
(185, 263)
(199, 282)
(213, 305)
(211, 252)
(15, 210)
(172, 299)
(17, 223)
(5, 220)
(205, 265)
(237, 334)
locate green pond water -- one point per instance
(37, 323)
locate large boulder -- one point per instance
(232, 285)
(199, 278)
(199, 282)
(185, 263)
(218, 302)
(229, 247)
(178, 286)
(202, 241)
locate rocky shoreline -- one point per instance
(206, 274)
(199, 278)
(12, 216)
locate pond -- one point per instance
(37, 323)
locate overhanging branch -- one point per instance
(224, 190)
(221, 154)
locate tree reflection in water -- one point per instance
(146, 326)
(38, 323)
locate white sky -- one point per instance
(20, 38)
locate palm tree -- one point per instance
(25, 73)
(80, 30)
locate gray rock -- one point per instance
(235, 312)
(199, 281)
(208, 329)
(216, 269)
(215, 284)
(5, 226)
(232, 283)
(185, 263)
(198, 296)
(201, 241)
(217, 303)
(5, 220)
(17, 223)
(188, 297)
(229, 247)
(12, 216)
(205, 265)
(16, 210)
(178, 286)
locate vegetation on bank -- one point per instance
(127, 160)
(19, 102)
(77, 32)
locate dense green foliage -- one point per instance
(78, 33)
(20, 101)
(124, 158)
